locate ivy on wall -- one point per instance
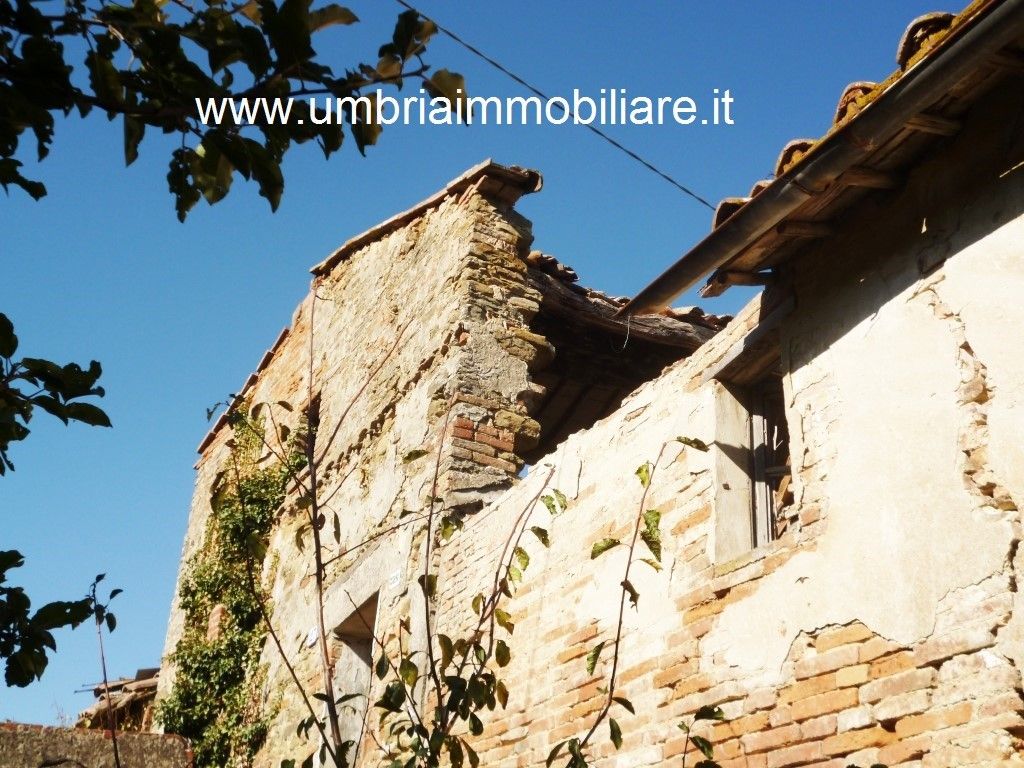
(215, 701)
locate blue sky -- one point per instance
(180, 314)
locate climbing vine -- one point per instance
(215, 699)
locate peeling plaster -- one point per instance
(909, 485)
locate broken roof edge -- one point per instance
(513, 183)
(984, 26)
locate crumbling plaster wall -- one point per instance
(886, 626)
(401, 362)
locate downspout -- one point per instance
(913, 93)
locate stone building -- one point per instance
(839, 568)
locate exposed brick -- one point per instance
(741, 726)
(1007, 702)
(746, 761)
(828, 661)
(954, 643)
(472, 445)
(506, 466)
(809, 687)
(777, 558)
(798, 755)
(904, 750)
(762, 698)
(675, 674)
(933, 721)
(487, 429)
(691, 685)
(824, 703)
(833, 638)
(780, 715)
(875, 647)
(893, 663)
(852, 741)
(855, 717)
(573, 652)
(850, 676)
(818, 728)
(903, 704)
(767, 740)
(911, 680)
(637, 671)
(810, 513)
(495, 442)
(691, 520)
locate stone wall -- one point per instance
(32, 746)
(419, 346)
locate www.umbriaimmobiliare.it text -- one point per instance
(610, 106)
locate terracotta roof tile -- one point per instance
(922, 33)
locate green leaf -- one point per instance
(651, 562)
(643, 472)
(553, 754)
(134, 130)
(709, 713)
(603, 546)
(522, 557)
(87, 413)
(111, 622)
(447, 650)
(615, 732)
(450, 86)
(478, 604)
(634, 596)
(703, 745)
(8, 340)
(626, 703)
(651, 534)
(549, 502)
(449, 525)
(563, 502)
(428, 583)
(541, 534)
(504, 620)
(593, 656)
(476, 725)
(694, 443)
(393, 697)
(381, 669)
(330, 15)
(501, 653)
(501, 692)
(57, 614)
(409, 672)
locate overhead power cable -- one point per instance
(537, 92)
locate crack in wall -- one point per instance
(974, 396)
